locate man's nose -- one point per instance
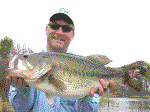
(59, 30)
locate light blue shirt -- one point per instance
(29, 99)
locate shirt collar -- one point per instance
(46, 51)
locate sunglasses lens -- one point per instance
(66, 28)
(54, 26)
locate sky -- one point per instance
(119, 29)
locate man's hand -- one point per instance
(102, 87)
(16, 81)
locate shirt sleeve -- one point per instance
(88, 104)
(23, 99)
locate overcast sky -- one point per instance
(119, 29)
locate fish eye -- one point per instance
(25, 56)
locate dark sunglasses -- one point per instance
(65, 28)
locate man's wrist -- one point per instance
(94, 99)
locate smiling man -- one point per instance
(60, 33)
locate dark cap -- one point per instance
(61, 16)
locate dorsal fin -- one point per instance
(99, 58)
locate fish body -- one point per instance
(64, 75)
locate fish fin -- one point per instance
(99, 58)
(49, 97)
(38, 72)
(57, 83)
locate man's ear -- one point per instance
(73, 36)
(46, 30)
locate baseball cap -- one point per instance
(61, 16)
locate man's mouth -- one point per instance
(58, 42)
(58, 39)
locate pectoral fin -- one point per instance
(57, 83)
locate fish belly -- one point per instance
(77, 86)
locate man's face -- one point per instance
(58, 40)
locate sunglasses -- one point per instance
(65, 28)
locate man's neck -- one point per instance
(51, 50)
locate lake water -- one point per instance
(125, 105)
(117, 105)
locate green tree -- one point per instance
(5, 47)
(7, 51)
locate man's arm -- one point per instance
(21, 98)
(88, 104)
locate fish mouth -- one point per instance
(12, 69)
(13, 65)
(17, 72)
(14, 72)
(16, 67)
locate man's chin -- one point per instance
(57, 48)
(57, 43)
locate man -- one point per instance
(60, 32)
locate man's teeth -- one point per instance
(59, 39)
(62, 39)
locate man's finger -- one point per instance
(8, 78)
(104, 84)
(20, 80)
(14, 81)
(111, 84)
(100, 92)
(92, 92)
